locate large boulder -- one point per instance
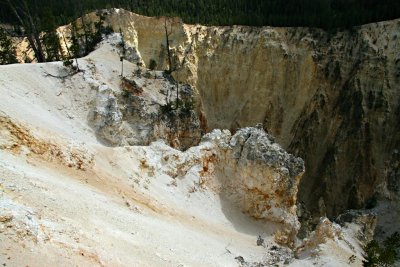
(258, 176)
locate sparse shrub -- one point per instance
(186, 108)
(376, 255)
(182, 108)
(121, 44)
(107, 30)
(68, 63)
(372, 202)
(153, 64)
(167, 109)
(147, 75)
(138, 73)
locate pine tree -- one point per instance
(7, 50)
(123, 52)
(74, 49)
(29, 20)
(51, 41)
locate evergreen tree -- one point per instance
(28, 19)
(74, 49)
(122, 52)
(51, 40)
(7, 50)
(328, 14)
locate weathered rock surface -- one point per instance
(393, 174)
(129, 118)
(324, 232)
(248, 170)
(365, 222)
(258, 176)
(128, 110)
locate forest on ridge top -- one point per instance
(327, 14)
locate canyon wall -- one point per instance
(330, 98)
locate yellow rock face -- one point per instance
(240, 72)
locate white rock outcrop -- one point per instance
(258, 176)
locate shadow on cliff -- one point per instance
(242, 222)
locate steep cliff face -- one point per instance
(331, 98)
(350, 126)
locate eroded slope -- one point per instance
(68, 198)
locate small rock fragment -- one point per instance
(6, 218)
(260, 241)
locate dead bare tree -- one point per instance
(30, 25)
(167, 34)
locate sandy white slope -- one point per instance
(92, 205)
